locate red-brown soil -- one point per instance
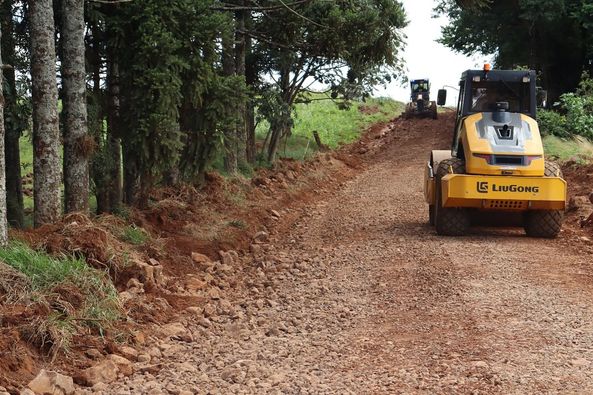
(225, 215)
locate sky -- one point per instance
(425, 58)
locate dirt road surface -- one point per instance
(361, 296)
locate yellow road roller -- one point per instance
(496, 165)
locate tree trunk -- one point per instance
(240, 54)
(113, 148)
(281, 124)
(251, 148)
(131, 178)
(46, 134)
(250, 79)
(100, 173)
(77, 147)
(230, 137)
(3, 220)
(113, 130)
(13, 128)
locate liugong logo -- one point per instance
(483, 187)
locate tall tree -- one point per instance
(241, 17)
(3, 219)
(113, 126)
(46, 135)
(317, 42)
(15, 121)
(77, 144)
(230, 133)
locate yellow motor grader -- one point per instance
(496, 167)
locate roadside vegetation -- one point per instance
(76, 297)
(67, 292)
(568, 126)
(334, 123)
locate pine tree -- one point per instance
(3, 220)
(15, 121)
(76, 140)
(46, 136)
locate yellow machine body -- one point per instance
(503, 192)
(496, 162)
(477, 148)
(488, 186)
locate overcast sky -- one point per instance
(425, 58)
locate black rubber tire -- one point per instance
(449, 221)
(545, 223)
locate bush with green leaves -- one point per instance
(574, 114)
(552, 123)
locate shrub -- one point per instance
(552, 123)
(574, 115)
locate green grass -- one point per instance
(335, 126)
(92, 292)
(578, 148)
(43, 270)
(26, 151)
(135, 235)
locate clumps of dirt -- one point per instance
(17, 358)
(94, 240)
(578, 221)
(171, 208)
(13, 284)
(223, 215)
(369, 110)
(579, 178)
(27, 184)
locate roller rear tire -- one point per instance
(545, 223)
(449, 221)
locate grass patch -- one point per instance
(74, 293)
(336, 126)
(578, 148)
(134, 235)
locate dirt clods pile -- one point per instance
(324, 277)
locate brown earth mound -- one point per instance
(223, 215)
(159, 278)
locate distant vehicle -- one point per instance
(496, 164)
(420, 105)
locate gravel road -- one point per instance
(362, 297)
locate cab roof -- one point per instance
(500, 75)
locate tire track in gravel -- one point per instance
(491, 312)
(363, 297)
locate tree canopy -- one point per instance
(172, 86)
(554, 37)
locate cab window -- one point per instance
(486, 94)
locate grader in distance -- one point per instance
(495, 171)
(420, 105)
